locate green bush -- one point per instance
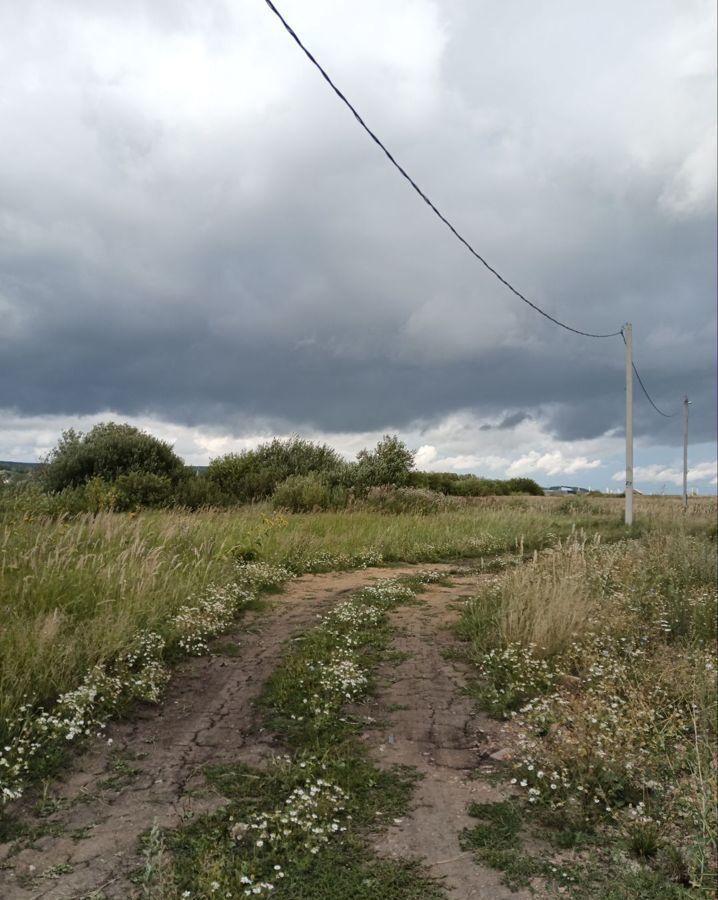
(414, 501)
(524, 486)
(254, 474)
(137, 489)
(306, 493)
(108, 451)
(197, 491)
(455, 485)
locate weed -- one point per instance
(57, 870)
(499, 828)
(156, 878)
(601, 655)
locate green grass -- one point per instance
(499, 828)
(605, 658)
(566, 863)
(76, 591)
(204, 851)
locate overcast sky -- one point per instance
(195, 236)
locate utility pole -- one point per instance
(686, 403)
(628, 339)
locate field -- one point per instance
(578, 656)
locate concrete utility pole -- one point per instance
(686, 404)
(628, 338)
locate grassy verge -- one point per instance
(604, 657)
(36, 740)
(298, 829)
(75, 592)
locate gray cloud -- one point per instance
(192, 227)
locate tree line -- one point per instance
(118, 466)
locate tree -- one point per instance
(108, 451)
(390, 462)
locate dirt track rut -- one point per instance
(427, 721)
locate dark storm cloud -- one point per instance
(215, 265)
(513, 420)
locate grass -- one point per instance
(590, 871)
(116, 574)
(604, 657)
(601, 649)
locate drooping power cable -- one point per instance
(420, 192)
(644, 389)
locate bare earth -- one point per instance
(428, 722)
(152, 769)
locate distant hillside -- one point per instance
(6, 466)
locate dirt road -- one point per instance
(149, 769)
(429, 723)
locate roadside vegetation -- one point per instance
(77, 591)
(603, 657)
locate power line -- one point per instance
(645, 391)
(295, 37)
(419, 191)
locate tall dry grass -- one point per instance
(74, 591)
(607, 656)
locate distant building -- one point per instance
(565, 489)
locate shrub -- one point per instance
(254, 474)
(138, 489)
(414, 501)
(305, 493)
(108, 451)
(197, 491)
(453, 484)
(524, 486)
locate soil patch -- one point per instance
(426, 720)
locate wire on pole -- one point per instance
(645, 391)
(420, 192)
(295, 37)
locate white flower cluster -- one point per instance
(385, 593)
(340, 678)
(350, 615)
(515, 674)
(324, 561)
(343, 678)
(337, 681)
(613, 734)
(138, 674)
(308, 818)
(210, 615)
(262, 576)
(430, 576)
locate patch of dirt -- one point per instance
(150, 769)
(426, 720)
